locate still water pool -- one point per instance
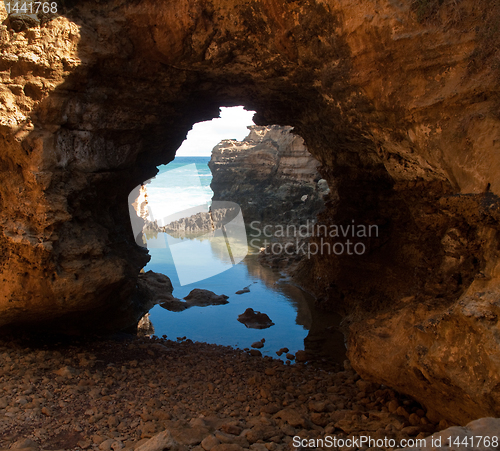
(289, 307)
(286, 305)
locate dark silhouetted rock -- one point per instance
(174, 305)
(22, 22)
(202, 298)
(197, 298)
(255, 320)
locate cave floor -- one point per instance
(117, 393)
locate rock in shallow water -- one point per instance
(174, 305)
(255, 320)
(196, 298)
(202, 298)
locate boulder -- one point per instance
(203, 298)
(255, 320)
(196, 298)
(160, 442)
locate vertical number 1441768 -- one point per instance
(31, 7)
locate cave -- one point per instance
(399, 106)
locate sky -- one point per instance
(231, 124)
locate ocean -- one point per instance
(183, 183)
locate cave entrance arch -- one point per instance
(287, 181)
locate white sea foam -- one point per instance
(176, 190)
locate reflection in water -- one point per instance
(290, 308)
(299, 299)
(324, 338)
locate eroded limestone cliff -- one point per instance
(270, 174)
(397, 100)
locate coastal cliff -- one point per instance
(271, 177)
(270, 174)
(398, 101)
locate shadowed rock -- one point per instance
(255, 320)
(174, 305)
(202, 298)
(484, 432)
(21, 22)
(197, 298)
(157, 286)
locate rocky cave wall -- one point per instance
(399, 102)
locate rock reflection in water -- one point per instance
(299, 299)
(324, 338)
(290, 308)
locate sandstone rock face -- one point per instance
(400, 107)
(145, 326)
(270, 174)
